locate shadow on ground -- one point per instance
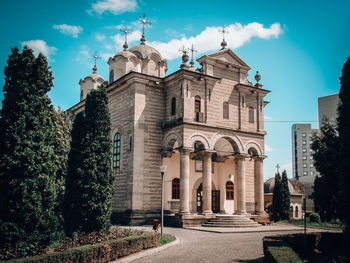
(256, 260)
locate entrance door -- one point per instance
(215, 201)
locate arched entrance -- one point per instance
(215, 200)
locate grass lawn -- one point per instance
(332, 225)
(166, 238)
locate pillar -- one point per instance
(207, 183)
(259, 186)
(184, 181)
(166, 160)
(241, 186)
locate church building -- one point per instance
(205, 126)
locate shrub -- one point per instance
(315, 217)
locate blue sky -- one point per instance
(298, 47)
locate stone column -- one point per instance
(259, 186)
(241, 186)
(166, 157)
(184, 181)
(207, 179)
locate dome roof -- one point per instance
(126, 54)
(269, 185)
(94, 76)
(145, 51)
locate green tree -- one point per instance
(94, 179)
(326, 187)
(276, 200)
(284, 197)
(28, 192)
(72, 198)
(63, 126)
(344, 145)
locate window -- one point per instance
(311, 172)
(111, 76)
(303, 134)
(305, 173)
(305, 165)
(311, 150)
(311, 165)
(304, 150)
(311, 157)
(304, 142)
(310, 142)
(229, 190)
(116, 150)
(199, 166)
(173, 106)
(225, 110)
(304, 158)
(175, 188)
(197, 104)
(251, 114)
(296, 212)
(310, 135)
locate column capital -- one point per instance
(185, 151)
(259, 157)
(241, 156)
(208, 153)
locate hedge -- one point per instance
(98, 253)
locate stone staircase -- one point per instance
(231, 221)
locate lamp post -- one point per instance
(163, 169)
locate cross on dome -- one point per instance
(144, 22)
(126, 32)
(95, 57)
(193, 51)
(223, 31)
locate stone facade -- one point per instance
(206, 125)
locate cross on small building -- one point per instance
(126, 32)
(223, 31)
(278, 167)
(95, 57)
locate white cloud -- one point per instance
(267, 117)
(84, 56)
(100, 37)
(268, 148)
(210, 38)
(40, 46)
(65, 29)
(288, 167)
(116, 7)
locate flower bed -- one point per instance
(97, 247)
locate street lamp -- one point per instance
(162, 172)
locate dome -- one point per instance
(269, 185)
(125, 53)
(94, 76)
(144, 51)
(90, 82)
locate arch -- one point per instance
(116, 150)
(254, 146)
(197, 137)
(119, 129)
(196, 184)
(296, 212)
(235, 141)
(170, 140)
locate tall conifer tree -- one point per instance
(344, 139)
(276, 200)
(284, 197)
(28, 193)
(93, 177)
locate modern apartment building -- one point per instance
(327, 108)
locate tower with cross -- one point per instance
(144, 22)
(95, 57)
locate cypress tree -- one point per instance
(276, 200)
(72, 199)
(284, 197)
(344, 138)
(28, 193)
(93, 177)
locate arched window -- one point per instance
(296, 212)
(251, 114)
(229, 190)
(291, 212)
(197, 104)
(111, 76)
(225, 110)
(116, 150)
(175, 188)
(173, 106)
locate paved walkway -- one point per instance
(203, 246)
